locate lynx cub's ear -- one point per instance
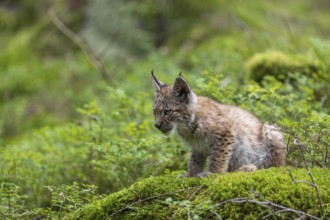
(157, 84)
(181, 88)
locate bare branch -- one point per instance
(217, 215)
(150, 198)
(299, 181)
(297, 142)
(268, 204)
(195, 192)
(82, 44)
(190, 198)
(280, 211)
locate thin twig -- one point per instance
(297, 142)
(149, 198)
(195, 192)
(217, 215)
(267, 204)
(299, 181)
(288, 142)
(190, 197)
(305, 146)
(277, 212)
(326, 153)
(82, 44)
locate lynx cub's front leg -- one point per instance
(219, 157)
(196, 165)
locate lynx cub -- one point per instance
(231, 138)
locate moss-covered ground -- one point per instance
(170, 197)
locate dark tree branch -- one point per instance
(82, 44)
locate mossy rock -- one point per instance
(169, 197)
(280, 65)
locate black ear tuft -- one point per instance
(157, 84)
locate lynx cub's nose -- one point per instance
(158, 125)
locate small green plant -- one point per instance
(13, 203)
(68, 198)
(191, 209)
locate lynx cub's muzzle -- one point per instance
(158, 125)
(164, 127)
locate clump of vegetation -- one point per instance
(233, 195)
(281, 65)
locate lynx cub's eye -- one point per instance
(167, 112)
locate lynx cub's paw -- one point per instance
(183, 175)
(248, 168)
(200, 175)
(204, 174)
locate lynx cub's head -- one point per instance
(174, 105)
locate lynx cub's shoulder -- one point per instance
(231, 138)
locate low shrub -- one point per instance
(108, 148)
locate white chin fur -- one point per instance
(171, 132)
(192, 106)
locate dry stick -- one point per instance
(310, 154)
(190, 198)
(287, 143)
(271, 214)
(280, 211)
(313, 184)
(305, 147)
(326, 153)
(267, 204)
(217, 215)
(194, 193)
(149, 198)
(83, 45)
(298, 181)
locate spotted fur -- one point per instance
(228, 137)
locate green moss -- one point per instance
(280, 65)
(167, 196)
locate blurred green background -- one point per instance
(45, 76)
(63, 121)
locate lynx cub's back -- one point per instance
(230, 138)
